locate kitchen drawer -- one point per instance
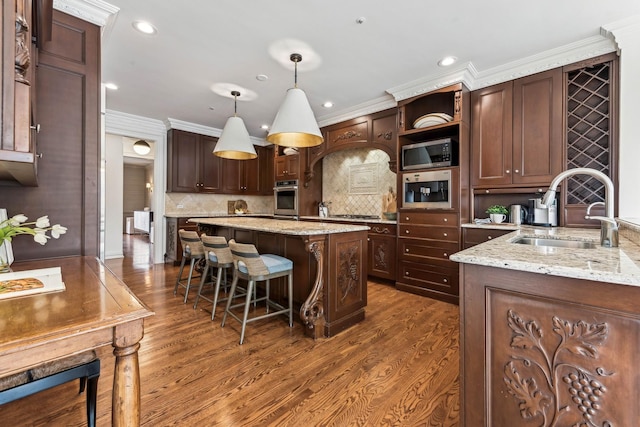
(429, 280)
(383, 229)
(427, 251)
(475, 236)
(448, 234)
(428, 218)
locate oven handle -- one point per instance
(286, 187)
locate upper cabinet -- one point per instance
(18, 158)
(249, 177)
(193, 168)
(516, 135)
(287, 167)
(377, 130)
(191, 165)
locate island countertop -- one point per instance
(612, 265)
(281, 226)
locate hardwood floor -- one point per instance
(397, 368)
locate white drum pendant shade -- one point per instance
(295, 124)
(234, 143)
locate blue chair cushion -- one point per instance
(274, 263)
(213, 257)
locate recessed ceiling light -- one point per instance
(328, 104)
(447, 60)
(111, 86)
(144, 27)
(265, 127)
(262, 77)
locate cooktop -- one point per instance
(352, 216)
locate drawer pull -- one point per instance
(406, 250)
(445, 254)
(406, 231)
(489, 237)
(444, 280)
(406, 218)
(445, 220)
(406, 273)
(445, 234)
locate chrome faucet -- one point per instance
(608, 224)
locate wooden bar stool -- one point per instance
(193, 251)
(253, 267)
(218, 256)
(84, 366)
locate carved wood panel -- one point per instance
(551, 363)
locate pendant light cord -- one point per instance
(295, 57)
(235, 94)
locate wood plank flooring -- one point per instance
(399, 367)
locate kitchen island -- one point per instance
(550, 335)
(329, 265)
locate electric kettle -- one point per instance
(518, 214)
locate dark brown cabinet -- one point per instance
(191, 165)
(516, 135)
(173, 244)
(382, 251)
(248, 176)
(537, 348)
(425, 242)
(18, 157)
(287, 167)
(475, 236)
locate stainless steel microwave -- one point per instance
(439, 153)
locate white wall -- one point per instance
(627, 36)
(113, 197)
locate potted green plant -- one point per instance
(497, 213)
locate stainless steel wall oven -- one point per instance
(286, 198)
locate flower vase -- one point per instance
(6, 257)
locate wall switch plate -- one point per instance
(180, 206)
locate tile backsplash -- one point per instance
(213, 204)
(354, 181)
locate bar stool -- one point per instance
(218, 255)
(253, 267)
(193, 251)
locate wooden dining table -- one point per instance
(95, 309)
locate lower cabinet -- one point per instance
(475, 236)
(382, 251)
(174, 247)
(425, 242)
(543, 350)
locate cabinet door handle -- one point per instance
(516, 171)
(36, 128)
(406, 273)
(508, 171)
(406, 250)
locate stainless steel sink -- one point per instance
(555, 243)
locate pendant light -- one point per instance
(234, 143)
(142, 147)
(295, 124)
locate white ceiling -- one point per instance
(356, 66)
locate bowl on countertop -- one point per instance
(391, 216)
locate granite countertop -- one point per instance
(213, 215)
(613, 265)
(493, 226)
(343, 219)
(281, 226)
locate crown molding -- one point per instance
(622, 31)
(125, 124)
(465, 74)
(97, 12)
(554, 58)
(205, 130)
(369, 107)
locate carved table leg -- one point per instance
(125, 409)
(313, 308)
